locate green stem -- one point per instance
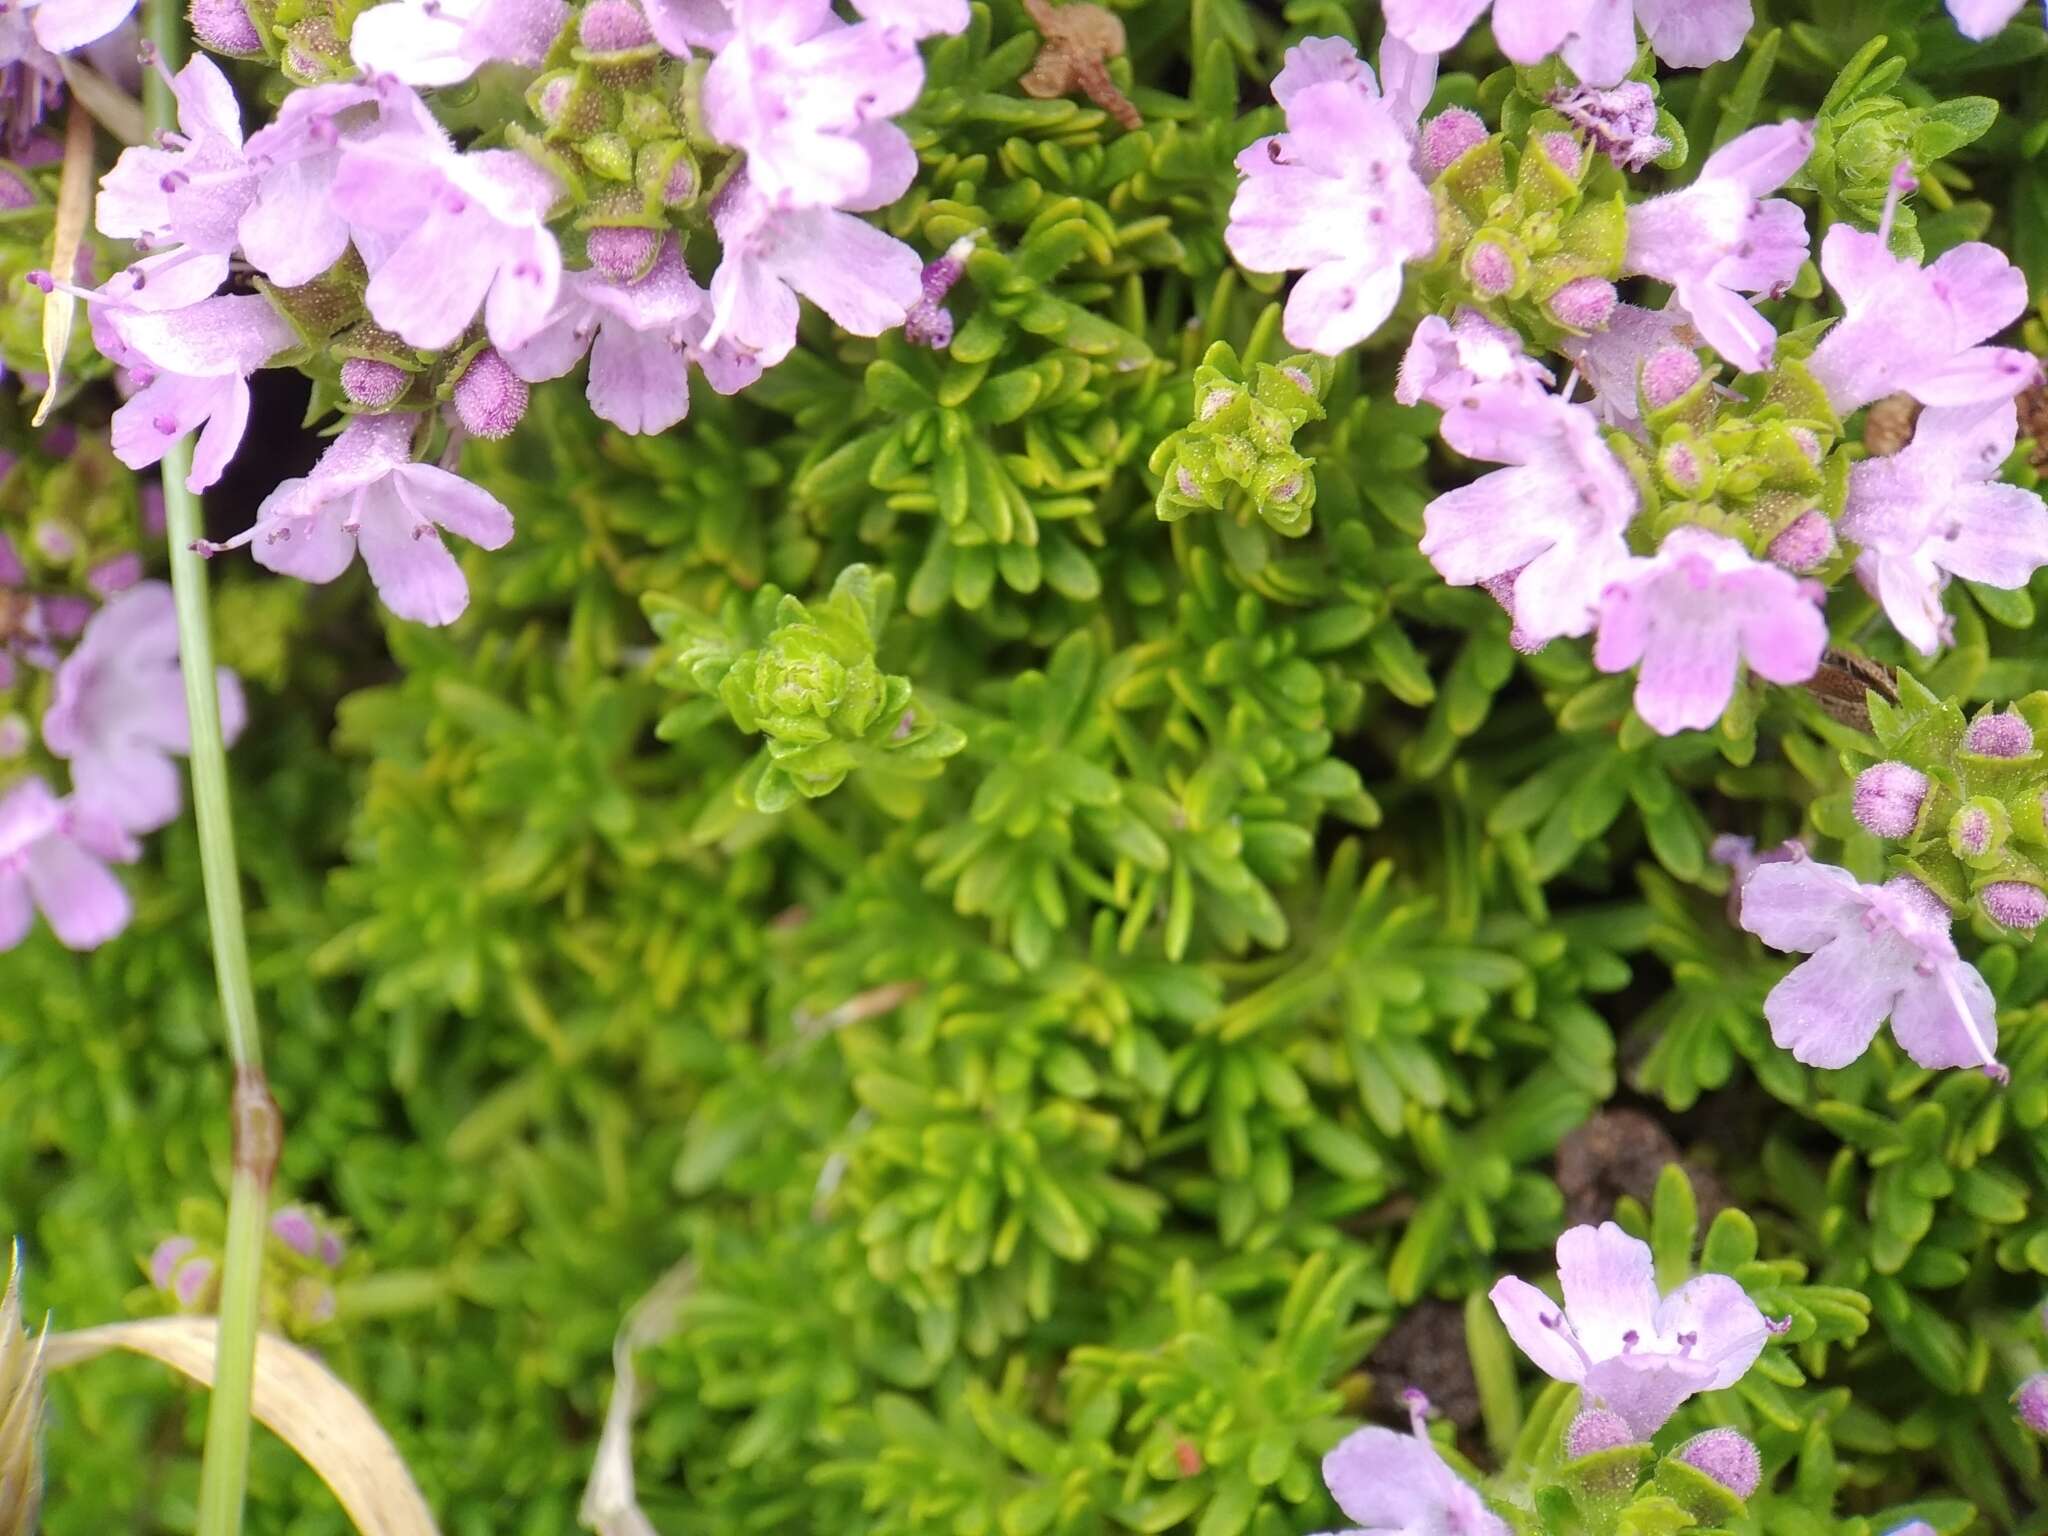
(224, 1470)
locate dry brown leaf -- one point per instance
(74, 211)
(610, 1505)
(297, 1397)
(21, 1415)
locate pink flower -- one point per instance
(863, 278)
(642, 337)
(1934, 509)
(1617, 360)
(64, 25)
(1919, 329)
(1596, 37)
(1621, 122)
(182, 201)
(292, 231)
(193, 366)
(808, 98)
(1478, 375)
(1335, 197)
(117, 710)
(1692, 614)
(1979, 19)
(1399, 1485)
(680, 25)
(1718, 239)
(444, 234)
(917, 18)
(366, 492)
(1633, 1352)
(53, 856)
(1878, 952)
(438, 42)
(1549, 527)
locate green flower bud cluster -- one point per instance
(1756, 466)
(1963, 797)
(620, 125)
(1531, 233)
(808, 681)
(305, 1257)
(1863, 132)
(1238, 456)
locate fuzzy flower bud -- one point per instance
(1888, 798)
(1727, 1457)
(612, 26)
(1668, 373)
(2001, 735)
(371, 382)
(225, 27)
(1978, 830)
(1446, 137)
(1584, 303)
(1597, 1430)
(930, 323)
(622, 252)
(553, 99)
(1489, 269)
(14, 738)
(14, 192)
(489, 397)
(2031, 1403)
(1564, 152)
(2014, 904)
(680, 189)
(1804, 543)
(1682, 467)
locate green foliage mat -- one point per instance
(1097, 977)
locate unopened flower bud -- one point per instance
(14, 731)
(2014, 904)
(1216, 400)
(1888, 797)
(192, 1283)
(552, 100)
(55, 540)
(490, 398)
(1978, 829)
(622, 252)
(1446, 137)
(2000, 735)
(1804, 543)
(165, 1258)
(1595, 1430)
(15, 192)
(2031, 1403)
(612, 26)
(1564, 152)
(1668, 373)
(116, 574)
(294, 1226)
(225, 27)
(681, 187)
(1489, 269)
(1683, 467)
(371, 382)
(1727, 1457)
(1583, 304)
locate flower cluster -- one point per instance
(426, 283)
(303, 1257)
(100, 678)
(1635, 1357)
(1682, 517)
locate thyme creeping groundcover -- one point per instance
(1011, 768)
